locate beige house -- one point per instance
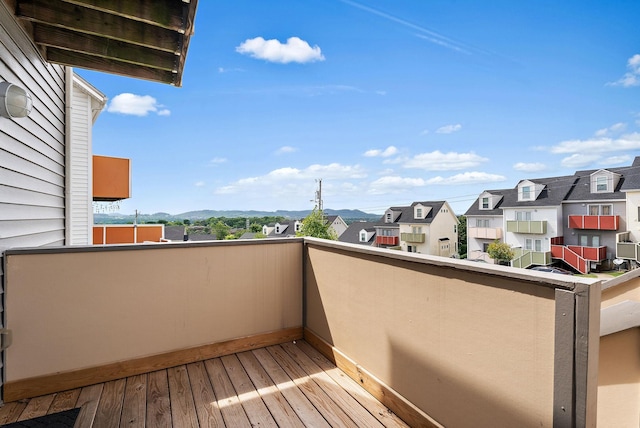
(429, 227)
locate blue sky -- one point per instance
(387, 102)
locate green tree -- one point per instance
(315, 225)
(255, 227)
(462, 236)
(259, 235)
(500, 251)
(220, 229)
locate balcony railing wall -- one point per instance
(127, 233)
(468, 344)
(594, 222)
(538, 227)
(485, 232)
(461, 343)
(99, 306)
(412, 237)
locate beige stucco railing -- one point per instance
(465, 344)
(468, 344)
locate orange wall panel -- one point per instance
(119, 235)
(147, 233)
(97, 235)
(111, 178)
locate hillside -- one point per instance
(116, 218)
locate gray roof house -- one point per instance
(361, 232)
(580, 220)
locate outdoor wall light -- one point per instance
(15, 101)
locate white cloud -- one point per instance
(218, 161)
(389, 151)
(295, 50)
(467, 178)
(286, 149)
(631, 77)
(615, 128)
(392, 184)
(425, 132)
(199, 183)
(529, 167)
(577, 160)
(599, 145)
(449, 129)
(287, 180)
(616, 160)
(438, 161)
(136, 105)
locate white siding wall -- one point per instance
(32, 149)
(80, 210)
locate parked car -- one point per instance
(552, 269)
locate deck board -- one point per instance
(288, 385)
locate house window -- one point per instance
(526, 193)
(388, 220)
(600, 209)
(418, 212)
(485, 203)
(528, 244)
(363, 236)
(297, 227)
(455, 228)
(277, 229)
(482, 222)
(538, 245)
(601, 184)
(485, 247)
(411, 249)
(523, 215)
(416, 229)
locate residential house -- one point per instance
(337, 224)
(485, 223)
(580, 220)
(360, 232)
(429, 227)
(282, 229)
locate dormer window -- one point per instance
(277, 228)
(526, 193)
(601, 184)
(298, 227)
(363, 236)
(418, 212)
(388, 218)
(485, 203)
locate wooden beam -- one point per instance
(57, 382)
(167, 14)
(55, 37)
(75, 59)
(91, 21)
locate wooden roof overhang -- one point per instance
(146, 39)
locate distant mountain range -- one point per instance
(347, 215)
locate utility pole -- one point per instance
(319, 194)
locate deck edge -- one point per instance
(395, 402)
(57, 382)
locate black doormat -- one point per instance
(55, 420)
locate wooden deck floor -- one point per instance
(288, 385)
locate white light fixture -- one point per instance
(15, 101)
